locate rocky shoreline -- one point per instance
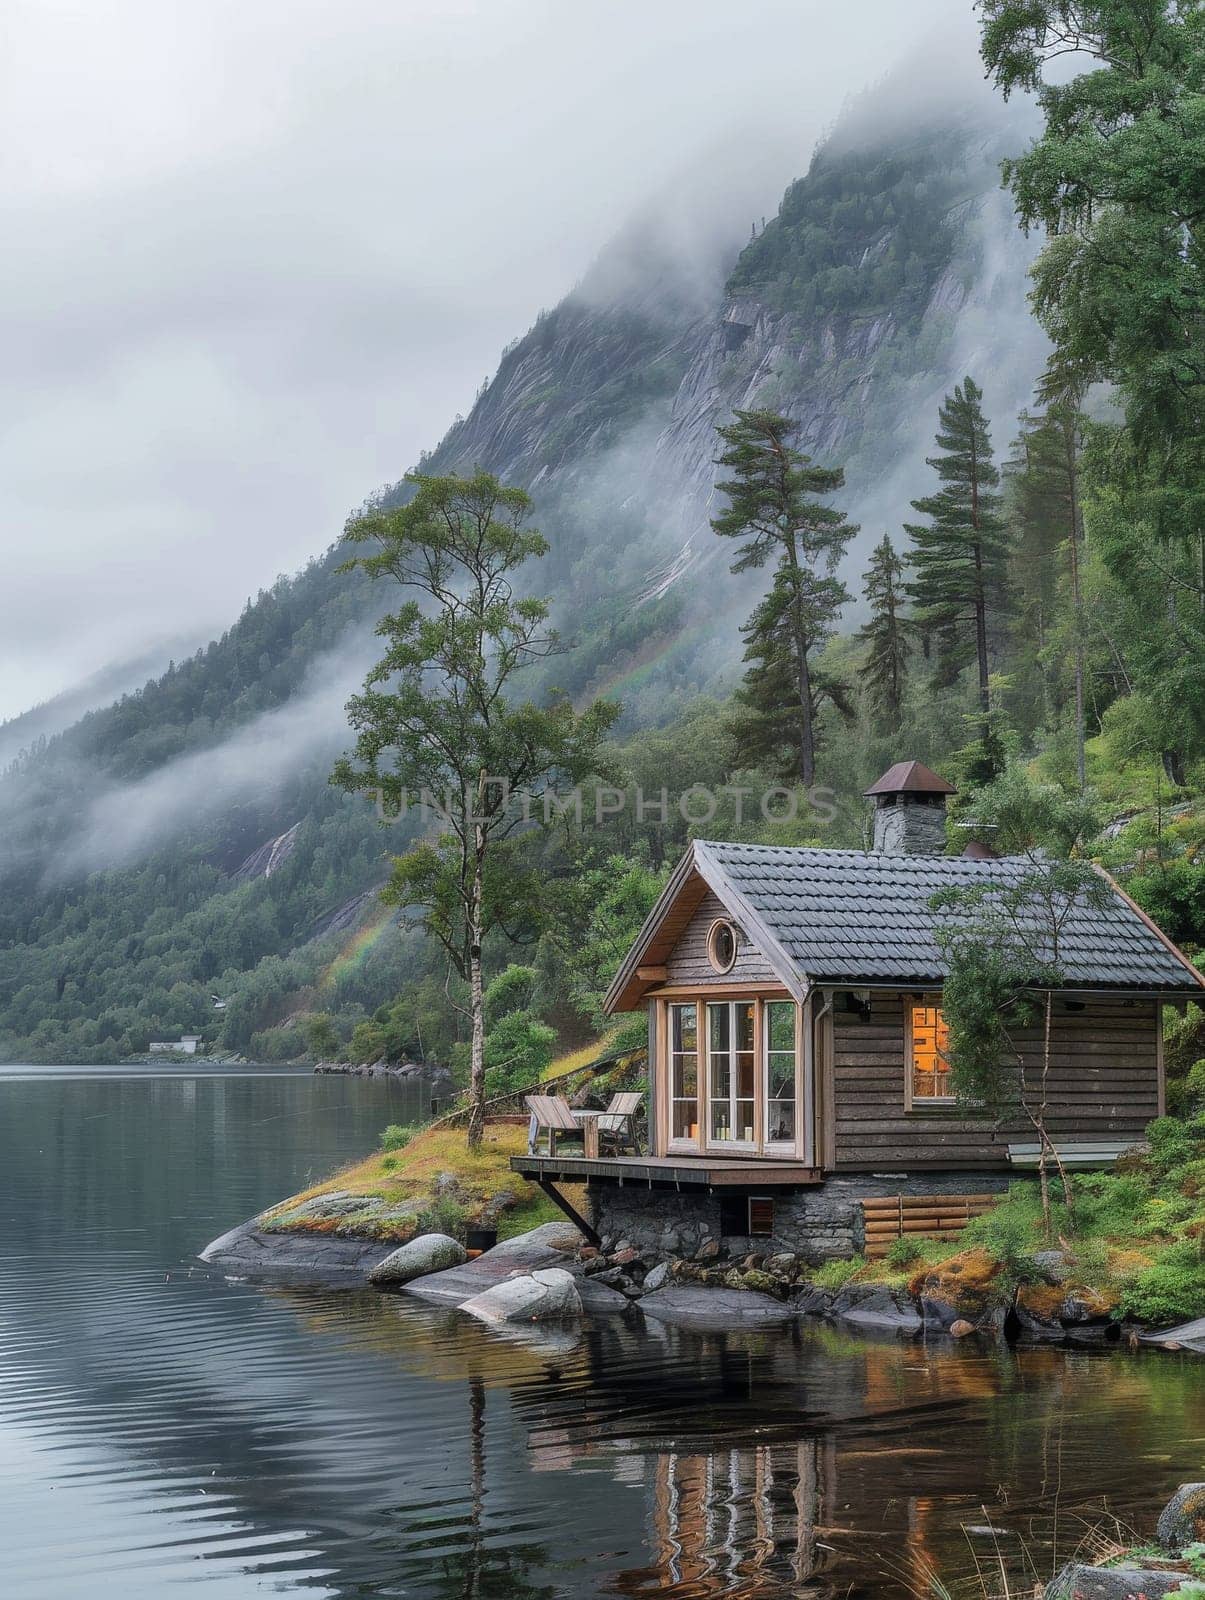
(959, 1299)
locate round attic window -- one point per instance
(721, 946)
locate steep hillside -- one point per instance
(177, 859)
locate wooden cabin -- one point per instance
(797, 1065)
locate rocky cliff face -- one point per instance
(892, 269)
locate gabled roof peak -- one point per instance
(910, 777)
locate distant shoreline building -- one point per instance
(186, 1045)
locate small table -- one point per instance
(589, 1124)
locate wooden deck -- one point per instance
(696, 1172)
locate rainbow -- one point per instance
(356, 947)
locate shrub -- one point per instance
(444, 1215)
(388, 1163)
(397, 1137)
(835, 1274)
(1112, 1205)
(1171, 1143)
(1009, 1231)
(905, 1251)
(1171, 1290)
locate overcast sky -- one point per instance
(258, 253)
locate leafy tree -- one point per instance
(1003, 943)
(887, 636)
(960, 556)
(1116, 181)
(321, 1036)
(435, 714)
(773, 509)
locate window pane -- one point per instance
(930, 1043)
(780, 1123)
(685, 1124)
(744, 1120)
(685, 1027)
(744, 1027)
(782, 1077)
(718, 1019)
(780, 1024)
(686, 1077)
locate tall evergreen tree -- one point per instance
(960, 556)
(887, 635)
(773, 509)
(1050, 536)
(768, 735)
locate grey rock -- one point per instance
(658, 1277)
(599, 1297)
(1182, 1520)
(713, 1310)
(430, 1252)
(814, 1303)
(1053, 1265)
(547, 1295)
(294, 1258)
(446, 1183)
(1112, 1583)
(876, 1306)
(616, 1278)
(550, 1245)
(325, 1206)
(1187, 1336)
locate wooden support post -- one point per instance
(578, 1221)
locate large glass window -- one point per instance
(930, 1065)
(732, 1073)
(781, 1068)
(684, 1072)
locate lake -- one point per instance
(164, 1431)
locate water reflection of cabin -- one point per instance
(796, 1040)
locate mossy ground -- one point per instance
(1133, 1244)
(405, 1181)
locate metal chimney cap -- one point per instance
(909, 777)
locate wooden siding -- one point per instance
(688, 962)
(1104, 1084)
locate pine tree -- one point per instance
(960, 556)
(773, 509)
(887, 636)
(768, 736)
(1050, 537)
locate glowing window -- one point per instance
(930, 1064)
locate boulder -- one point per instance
(657, 1278)
(713, 1310)
(1182, 1520)
(967, 1286)
(1187, 1336)
(961, 1328)
(708, 1250)
(1076, 1582)
(294, 1258)
(550, 1245)
(430, 1252)
(1053, 1265)
(876, 1306)
(547, 1295)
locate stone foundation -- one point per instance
(819, 1224)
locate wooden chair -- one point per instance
(550, 1114)
(617, 1124)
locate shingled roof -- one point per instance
(858, 918)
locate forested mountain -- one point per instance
(178, 860)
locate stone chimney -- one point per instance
(910, 811)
